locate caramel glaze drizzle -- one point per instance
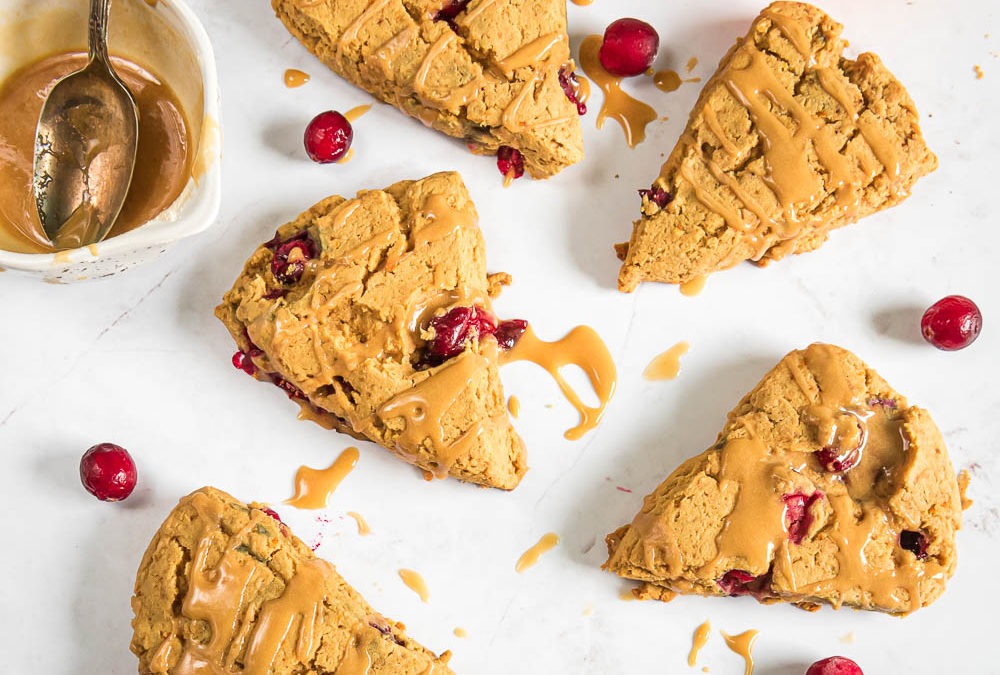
(633, 115)
(551, 48)
(742, 644)
(220, 594)
(581, 347)
(797, 188)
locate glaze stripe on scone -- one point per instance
(491, 72)
(824, 487)
(344, 308)
(787, 141)
(225, 588)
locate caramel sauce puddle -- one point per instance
(314, 486)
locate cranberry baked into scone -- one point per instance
(825, 486)
(374, 314)
(224, 587)
(495, 73)
(787, 141)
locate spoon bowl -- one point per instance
(85, 147)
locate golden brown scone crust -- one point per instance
(218, 562)
(826, 141)
(491, 83)
(350, 332)
(719, 511)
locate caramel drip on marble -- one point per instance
(667, 80)
(295, 78)
(354, 113)
(582, 3)
(530, 557)
(460, 633)
(667, 365)
(742, 644)
(514, 406)
(534, 53)
(633, 115)
(313, 487)
(694, 286)
(415, 583)
(423, 409)
(363, 528)
(698, 641)
(692, 62)
(581, 347)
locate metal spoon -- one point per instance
(85, 146)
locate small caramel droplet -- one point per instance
(295, 78)
(314, 486)
(667, 80)
(667, 365)
(415, 583)
(531, 556)
(698, 641)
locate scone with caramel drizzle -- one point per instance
(373, 313)
(495, 73)
(824, 487)
(787, 141)
(227, 588)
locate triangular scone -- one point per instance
(824, 487)
(337, 310)
(787, 141)
(226, 588)
(490, 72)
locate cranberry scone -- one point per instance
(825, 486)
(495, 73)
(373, 313)
(788, 140)
(224, 588)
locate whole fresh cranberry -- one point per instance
(835, 665)
(570, 86)
(108, 472)
(952, 323)
(510, 162)
(629, 47)
(328, 137)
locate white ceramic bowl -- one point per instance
(166, 37)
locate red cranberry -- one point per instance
(290, 258)
(275, 293)
(328, 137)
(450, 12)
(951, 323)
(835, 461)
(797, 515)
(835, 665)
(914, 542)
(242, 361)
(271, 512)
(880, 402)
(568, 82)
(510, 162)
(629, 47)
(452, 331)
(509, 332)
(657, 195)
(108, 472)
(736, 582)
(284, 385)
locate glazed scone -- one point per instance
(342, 308)
(224, 587)
(787, 141)
(824, 487)
(492, 73)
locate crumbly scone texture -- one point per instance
(214, 586)
(349, 334)
(788, 140)
(728, 508)
(490, 77)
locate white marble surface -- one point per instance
(139, 360)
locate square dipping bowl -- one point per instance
(168, 40)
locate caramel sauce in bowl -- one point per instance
(163, 53)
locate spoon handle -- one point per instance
(98, 37)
